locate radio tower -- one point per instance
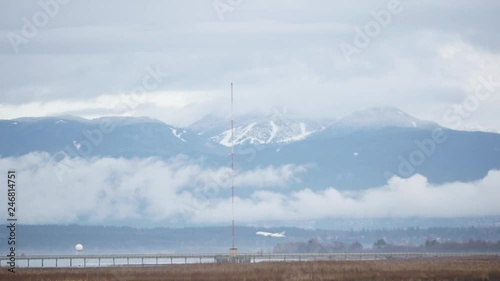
(233, 250)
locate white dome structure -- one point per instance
(79, 247)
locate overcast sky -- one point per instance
(174, 60)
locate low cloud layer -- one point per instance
(154, 191)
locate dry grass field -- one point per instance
(417, 269)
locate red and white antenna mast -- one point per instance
(233, 250)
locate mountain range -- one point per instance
(361, 150)
(258, 130)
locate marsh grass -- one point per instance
(414, 270)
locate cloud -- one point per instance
(152, 104)
(400, 198)
(182, 190)
(271, 176)
(280, 53)
(104, 189)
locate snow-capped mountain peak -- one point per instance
(267, 130)
(378, 117)
(284, 128)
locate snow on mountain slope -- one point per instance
(275, 129)
(280, 128)
(178, 135)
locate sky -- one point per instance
(174, 60)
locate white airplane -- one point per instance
(269, 234)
